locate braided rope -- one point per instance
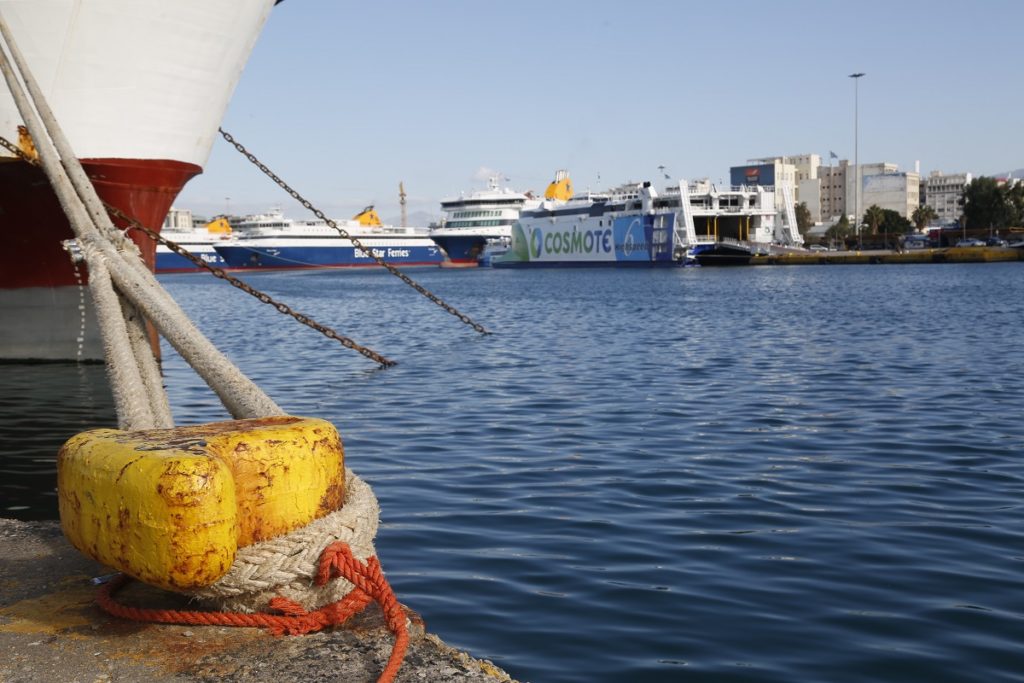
(336, 562)
(310, 579)
(287, 566)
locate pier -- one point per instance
(944, 255)
(52, 630)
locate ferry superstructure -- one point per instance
(470, 222)
(482, 221)
(634, 225)
(271, 240)
(139, 89)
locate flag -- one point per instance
(832, 155)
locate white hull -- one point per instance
(134, 79)
(139, 88)
(49, 323)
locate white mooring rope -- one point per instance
(286, 565)
(131, 365)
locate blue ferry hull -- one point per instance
(462, 250)
(170, 262)
(248, 256)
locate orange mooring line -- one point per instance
(336, 561)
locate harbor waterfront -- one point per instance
(753, 474)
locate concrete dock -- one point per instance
(943, 255)
(52, 630)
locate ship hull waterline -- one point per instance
(462, 251)
(245, 257)
(139, 90)
(42, 290)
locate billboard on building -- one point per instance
(757, 174)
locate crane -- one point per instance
(401, 200)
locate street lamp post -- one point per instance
(856, 159)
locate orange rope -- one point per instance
(335, 561)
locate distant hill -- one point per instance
(417, 219)
(1019, 173)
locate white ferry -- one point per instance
(272, 241)
(632, 225)
(477, 227)
(197, 240)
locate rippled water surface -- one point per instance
(752, 474)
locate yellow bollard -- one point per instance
(170, 507)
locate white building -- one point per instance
(178, 219)
(773, 172)
(893, 190)
(832, 190)
(882, 184)
(806, 166)
(943, 192)
(809, 191)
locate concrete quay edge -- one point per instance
(52, 630)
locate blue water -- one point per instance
(809, 473)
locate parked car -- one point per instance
(915, 241)
(996, 242)
(970, 242)
(818, 247)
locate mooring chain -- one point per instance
(248, 289)
(380, 261)
(217, 272)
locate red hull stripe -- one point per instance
(33, 224)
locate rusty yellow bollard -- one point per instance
(171, 507)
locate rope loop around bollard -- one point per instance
(313, 578)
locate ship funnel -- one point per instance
(560, 188)
(647, 196)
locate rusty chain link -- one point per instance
(217, 272)
(380, 261)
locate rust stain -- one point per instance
(66, 607)
(125, 468)
(177, 648)
(333, 499)
(73, 500)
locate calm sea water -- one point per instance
(753, 474)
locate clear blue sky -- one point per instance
(345, 99)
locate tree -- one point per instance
(803, 218)
(893, 222)
(873, 217)
(922, 216)
(839, 231)
(1015, 195)
(989, 204)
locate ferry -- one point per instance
(634, 225)
(477, 228)
(272, 241)
(197, 240)
(139, 90)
